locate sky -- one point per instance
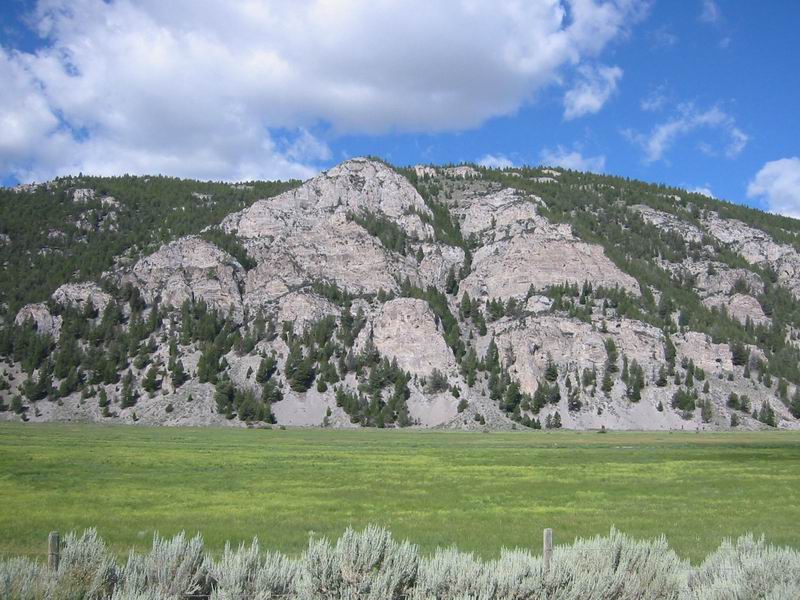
(700, 94)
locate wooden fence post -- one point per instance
(53, 548)
(547, 553)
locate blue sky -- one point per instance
(701, 94)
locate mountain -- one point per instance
(456, 297)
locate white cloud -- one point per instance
(199, 89)
(592, 91)
(688, 120)
(664, 37)
(572, 159)
(710, 12)
(778, 184)
(495, 161)
(704, 190)
(655, 100)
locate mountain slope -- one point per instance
(457, 297)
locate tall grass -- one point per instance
(371, 565)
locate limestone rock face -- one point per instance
(713, 358)
(741, 307)
(358, 246)
(436, 264)
(721, 279)
(335, 250)
(522, 249)
(758, 248)
(669, 222)
(501, 215)
(309, 234)
(46, 323)
(405, 329)
(302, 310)
(462, 171)
(190, 268)
(573, 345)
(425, 171)
(540, 259)
(82, 195)
(356, 185)
(82, 294)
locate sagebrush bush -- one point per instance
(371, 565)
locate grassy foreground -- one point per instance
(477, 491)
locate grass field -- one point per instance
(478, 491)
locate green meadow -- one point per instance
(479, 491)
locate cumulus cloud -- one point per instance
(778, 184)
(703, 190)
(200, 89)
(654, 101)
(572, 159)
(687, 121)
(495, 161)
(594, 88)
(710, 12)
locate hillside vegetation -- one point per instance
(458, 297)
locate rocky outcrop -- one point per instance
(358, 185)
(528, 345)
(311, 233)
(758, 248)
(81, 295)
(717, 278)
(462, 172)
(423, 171)
(509, 268)
(82, 195)
(344, 244)
(669, 222)
(190, 268)
(741, 307)
(302, 310)
(712, 358)
(406, 330)
(521, 248)
(45, 322)
(500, 215)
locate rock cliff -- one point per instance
(437, 297)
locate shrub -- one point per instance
(371, 565)
(437, 382)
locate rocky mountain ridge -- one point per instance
(455, 297)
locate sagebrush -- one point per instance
(371, 565)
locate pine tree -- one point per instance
(451, 284)
(551, 371)
(465, 308)
(767, 415)
(16, 404)
(794, 408)
(224, 394)
(271, 393)
(607, 384)
(611, 353)
(266, 368)
(151, 383)
(706, 412)
(179, 376)
(128, 398)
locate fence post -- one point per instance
(547, 554)
(53, 547)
